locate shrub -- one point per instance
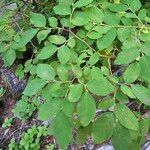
(89, 63)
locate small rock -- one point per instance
(11, 6)
(107, 146)
(12, 84)
(146, 146)
(46, 123)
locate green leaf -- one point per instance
(94, 35)
(75, 92)
(142, 93)
(95, 14)
(93, 59)
(65, 2)
(47, 51)
(62, 72)
(132, 72)
(62, 127)
(42, 35)
(101, 29)
(142, 14)
(118, 7)
(82, 134)
(9, 57)
(126, 117)
(26, 37)
(135, 5)
(106, 40)
(49, 109)
(79, 18)
(82, 3)
(105, 70)
(64, 54)
(62, 9)
(145, 48)
(123, 34)
(145, 67)
(86, 109)
(45, 72)
(57, 39)
(100, 87)
(130, 15)
(3, 47)
(126, 21)
(62, 91)
(122, 139)
(77, 71)
(145, 37)
(144, 128)
(65, 22)
(106, 103)
(127, 90)
(127, 56)
(130, 43)
(34, 86)
(71, 43)
(38, 20)
(48, 91)
(103, 127)
(121, 97)
(111, 18)
(53, 22)
(67, 108)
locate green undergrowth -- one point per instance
(84, 56)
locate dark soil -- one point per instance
(18, 127)
(7, 104)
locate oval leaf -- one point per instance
(100, 87)
(106, 40)
(34, 86)
(126, 117)
(38, 20)
(79, 18)
(42, 35)
(145, 67)
(127, 56)
(57, 39)
(82, 3)
(103, 127)
(86, 109)
(132, 72)
(47, 52)
(48, 110)
(142, 93)
(62, 127)
(75, 92)
(45, 72)
(64, 54)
